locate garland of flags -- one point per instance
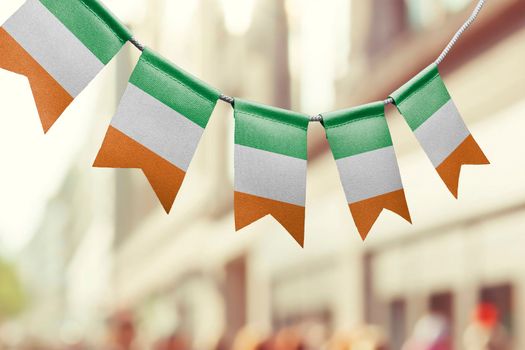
(61, 45)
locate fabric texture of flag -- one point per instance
(158, 124)
(362, 147)
(430, 112)
(60, 46)
(270, 166)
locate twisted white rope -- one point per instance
(460, 32)
(227, 99)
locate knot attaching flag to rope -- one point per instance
(61, 45)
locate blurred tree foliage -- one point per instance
(12, 297)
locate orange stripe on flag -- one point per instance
(50, 97)
(468, 152)
(121, 151)
(249, 208)
(365, 213)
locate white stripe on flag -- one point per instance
(53, 46)
(442, 133)
(270, 175)
(157, 127)
(369, 174)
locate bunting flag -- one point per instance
(362, 147)
(60, 46)
(430, 112)
(270, 166)
(158, 124)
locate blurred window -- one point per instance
(425, 13)
(443, 305)
(235, 296)
(500, 296)
(318, 54)
(398, 315)
(388, 21)
(455, 5)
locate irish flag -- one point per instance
(60, 45)
(158, 124)
(270, 166)
(430, 112)
(362, 147)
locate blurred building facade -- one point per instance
(464, 255)
(189, 271)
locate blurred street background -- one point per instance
(89, 260)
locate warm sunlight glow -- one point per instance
(238, 15)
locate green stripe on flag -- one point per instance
(357, 130)
(92, 24)
(271, 129)
(421, 97)
(175, 88)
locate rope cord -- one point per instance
(438, 61)
(136, 43)
(460, 32)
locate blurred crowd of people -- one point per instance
(304, 337)
(432, 332)
(485, 332)
(310, 338)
